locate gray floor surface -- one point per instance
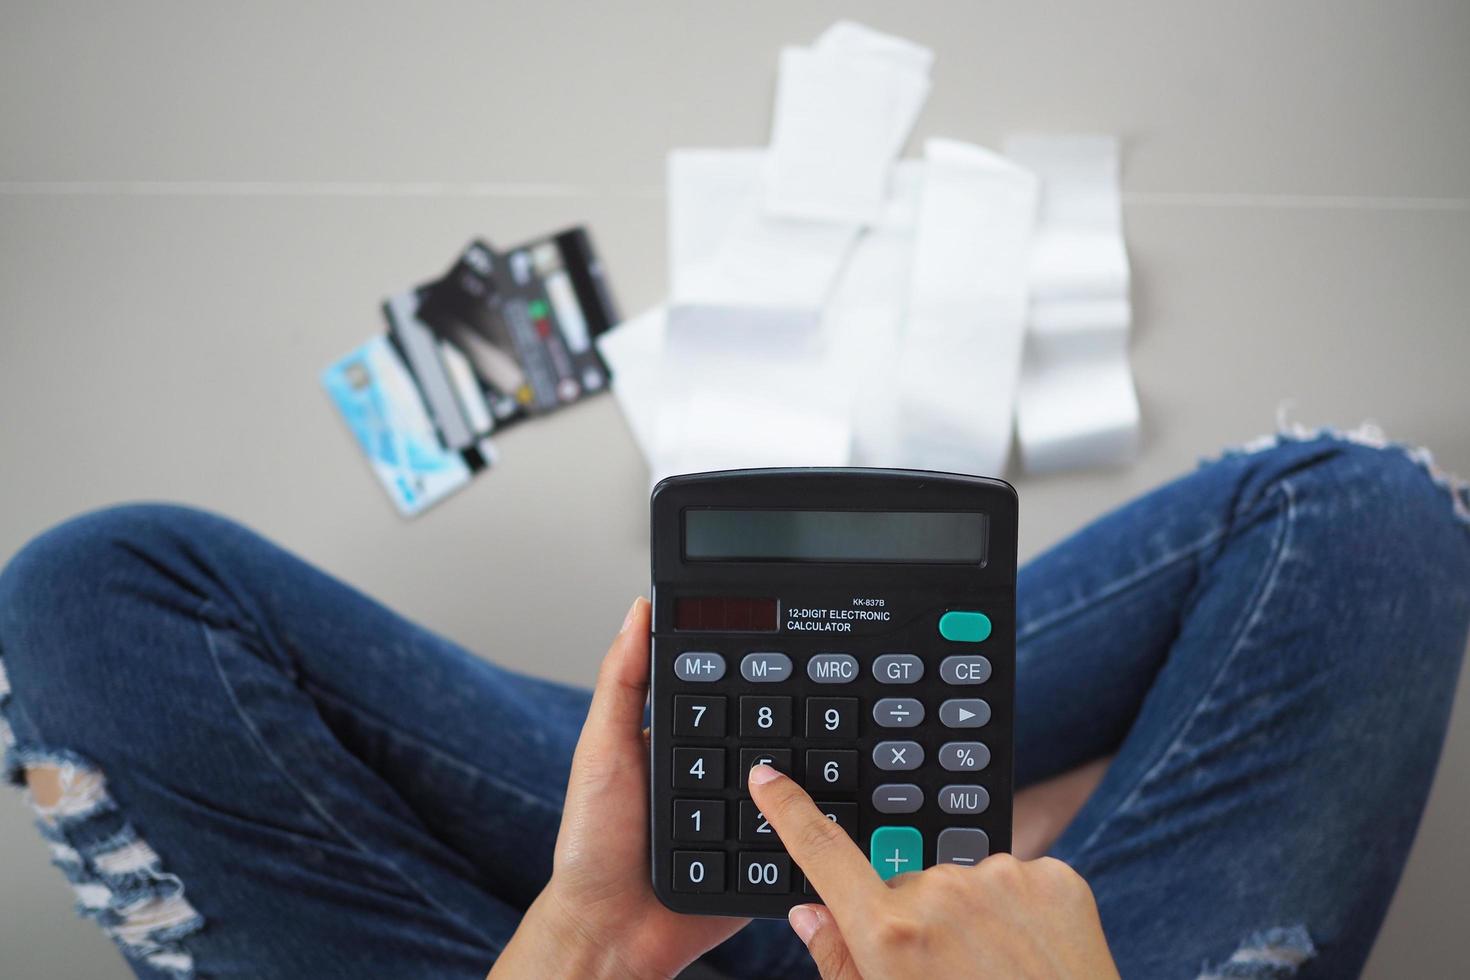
(201, 206)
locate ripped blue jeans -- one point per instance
(266, 774)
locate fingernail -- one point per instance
(761, 774)
(628, 619)
(805, 921)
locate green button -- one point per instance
(894, 850)
(538, 309)
(960, 626)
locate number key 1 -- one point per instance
(699, 820)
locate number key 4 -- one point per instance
(699, 768)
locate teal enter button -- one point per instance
(894, 850)
(962, 626)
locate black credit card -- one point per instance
(526, 319)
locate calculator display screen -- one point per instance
(835, 535)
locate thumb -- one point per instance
(814, 925)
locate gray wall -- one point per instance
(200, 207)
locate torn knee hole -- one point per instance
(1271, 954)
(119, 879)
(60, 791)
(44, 783)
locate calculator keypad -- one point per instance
(865, 735)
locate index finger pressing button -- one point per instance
(894, 850)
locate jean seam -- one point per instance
(311, 801)
(1265, 586)
(1120, 586)
(454, 760)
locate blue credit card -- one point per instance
(382, 406)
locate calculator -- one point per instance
(853, 628)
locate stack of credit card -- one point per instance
(502, 337)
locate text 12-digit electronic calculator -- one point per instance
(855, 628)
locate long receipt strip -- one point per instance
(844, 108)
(1076, 406)
(831, 305)
(967, 310)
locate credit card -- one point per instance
(421, 353)
(541, 302)
(380, 402)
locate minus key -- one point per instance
(966, 846)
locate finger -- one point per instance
(622, 681)
(831, 861)
(815, 927)
(612, 735)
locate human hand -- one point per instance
(1002, 918)
(598, 916)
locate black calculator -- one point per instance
(854, 628)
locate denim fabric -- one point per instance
(272, 776)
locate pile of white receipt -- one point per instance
(831, 304)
